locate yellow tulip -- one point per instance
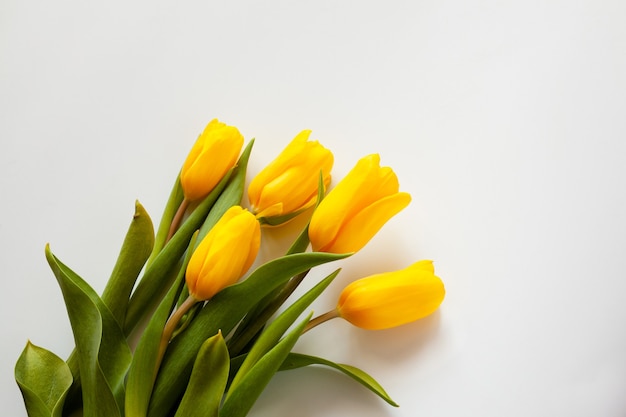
(225, 253)
(289, 184)
(213, 154)
(356, 209)
(391, 299)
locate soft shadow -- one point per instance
(397, 344)
(298, 393)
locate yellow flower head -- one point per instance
(225, 253)
(391, 299)
(213, 154)
(356, 209)
(289, 183)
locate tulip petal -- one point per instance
(363, 192)
(278, 165)
(226, 252)
(290, 181)
(391, 299)
(359, 230)
(212, 155)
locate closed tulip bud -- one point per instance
(391, 299)
(289, 184)
(225, 253)
(356, 209)
(213, 154)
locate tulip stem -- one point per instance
(171, 324)
(329, 315)
(178, 218)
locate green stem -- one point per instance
(171, 324)
(178, 218)
(332, 314)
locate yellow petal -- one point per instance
(360, 229)
(213, 154)
(290, 181)
(225, 253)
(391, 299)
(367, 190)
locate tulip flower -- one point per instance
(389, 299)
(213, 154)
(289, 184)
(356, 209)
(225, 253)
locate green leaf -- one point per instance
(208, 380)
(278, 220)
(223, 312)
(241, 398)
(133, 254)
(144, 367)
(103, 354)
(278, 327)
(297, 360)
(135, 251)
(44, 380)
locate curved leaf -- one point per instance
(297, 360)
(135, 251)
(241, 398)
(272, 334)
(103, 354)
(144, 366)
(44, 380)
(223, 312)
(208, 380)
(133, 254)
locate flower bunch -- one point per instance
(207, 330)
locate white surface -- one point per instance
(504, 120)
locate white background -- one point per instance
(504, 120)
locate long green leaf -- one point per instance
(208, 380)
(297, 360)
(143, 369)
(272, 334)
(133, 254)
(44, 380)
(223, 312)
(103, 354)
(135, 251)
(242, 397)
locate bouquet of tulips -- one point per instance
(206, 335)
